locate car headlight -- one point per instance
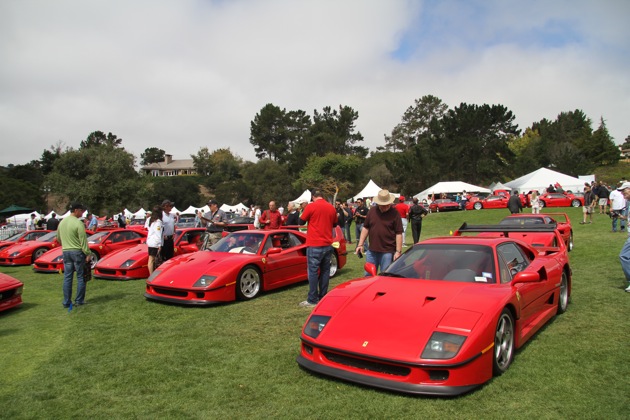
(204, 281)
(443, 346)
(315, 325)
(58, 259)
(18, 291)
(15, 254)
(127, 263)
(154, 275)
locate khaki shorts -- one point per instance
(587, 209)
(603, 201)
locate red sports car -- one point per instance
(10, 292)
(561, 220)
(442, 319)
(443, 204)
(239, 266)
(101, 244)
(131, 263)
(29, 235)
(26, 253)
(561, 200)
(490, 202)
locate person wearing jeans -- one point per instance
(73, 240)
(321, 217)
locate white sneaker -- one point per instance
(628, 289)
(307, 304)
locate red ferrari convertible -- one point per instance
(131, 263)
(10, 292)
(561, 220)
(442, 319)
(490, 202)
(239, 266)
(26, 236)
(101, 244)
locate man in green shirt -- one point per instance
(73, 239)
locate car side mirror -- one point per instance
(274, 251)
(526, 277)
(370, 268)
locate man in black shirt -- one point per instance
(416, 214)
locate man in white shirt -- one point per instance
(168, 219)
(617, 209)
(30, 223)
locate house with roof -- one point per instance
(170, 167)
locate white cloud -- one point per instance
(180, 75)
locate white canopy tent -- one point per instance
(499, 186)
(541, 178)
(21, 219)
(140, 214)
(370, 190)
(234, 209)
(304, 198)
(450, 187)
(190, 210)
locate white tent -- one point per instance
(127, 213)
(140, 214)
(191, 210)
(304, 198)
(498, 186)
(449, 187)
(21, 219)
(370, 190)
(234, 209)
(541, 178)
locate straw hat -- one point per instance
(383, 198)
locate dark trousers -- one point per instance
(168, 248)
(416, 228)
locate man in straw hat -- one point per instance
(383, 226)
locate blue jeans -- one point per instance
(346, 233)
(318, 258)
(379, 259)
(73, 261)
(621, 221)
(624, 258)
(357, 230)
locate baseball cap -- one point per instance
(167, 203)
(75, 206)
(211, 202)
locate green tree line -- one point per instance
(432, 142)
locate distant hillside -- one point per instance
(614, 173)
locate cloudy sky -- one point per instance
(184, 74)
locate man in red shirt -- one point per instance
(321, 217)
(271, 219)
(403, 209)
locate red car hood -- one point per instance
(384, 315)
(23, 246)
(116, 258)
(8, 282)
(185, 270)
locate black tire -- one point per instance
(248, 283)
(334, 264)
(94, 259)
(477, 206)
(39, 252)
(503, 343)
(563, 296)
(541, 204)
(570, 244)
(576, 203)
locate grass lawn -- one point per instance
(121, 356)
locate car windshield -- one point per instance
(511, 221)
(49, 237)
(239, 242)
(97, 238)
(447, 262)
(14, 237)
(137, 222)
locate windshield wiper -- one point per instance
(392, 275)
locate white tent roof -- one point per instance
(450, 187)
(191, 210)
(370, 190)
(234, 209)
(127, 213)
(140, 214)
(22, 218)
(499, 186)
(541, 178)
(304, 198)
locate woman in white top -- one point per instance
(535, 202)
(155, 237)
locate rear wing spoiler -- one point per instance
(504, 229)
